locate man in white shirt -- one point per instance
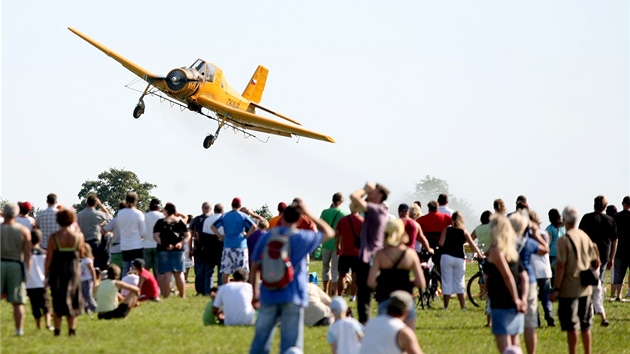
(233, 303)
(131, 228)
(388, 333)
(443, 205)
(149, 245)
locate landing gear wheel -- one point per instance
(137, 112)
(208, 141)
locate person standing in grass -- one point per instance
(330, 257)
(576, 253)
(15, 249)
(171, 234)
(285, 304)
(63, 268)
(504, 275)
(35, 284)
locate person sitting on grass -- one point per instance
(317, 313)
(108, 297)
(208, 314)
(346, 333)
(233, 303)
(149, 289)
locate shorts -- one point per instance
(382, 309)
(575, 314)
(330, 262)
(453, 272)
(13, 281)
(507, 322)
(170, 261)
(346, 263)
(40, 302)
(120, 312)
(620, 267)
(233, 259)
(531, 317)
(130, 255)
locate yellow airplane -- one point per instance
(202, 85)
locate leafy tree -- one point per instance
(112, 187)
(430, 187)
(264, 212)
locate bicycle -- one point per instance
(476, 290)
(431, 277)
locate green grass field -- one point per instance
(174, 326)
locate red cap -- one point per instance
(281, 207)
(236, 202)
(26, 205)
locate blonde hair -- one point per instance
(415, 211)
(395, 234)
(519, 221)
(503, 236)
(458, 220)
(87, 251)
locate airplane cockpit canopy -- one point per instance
(205, 69)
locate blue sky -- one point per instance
(499, 99)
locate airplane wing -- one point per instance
(134, 68)
(255, 122)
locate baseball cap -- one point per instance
(138, 263)
(338, 305)
(236, 202)
(399, 302)
(26, 205)
(403, 207)
(282, 206)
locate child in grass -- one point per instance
(208, 315)
(35, 287)
(88, 279)
(346, 333)
(149, 289)
(108, 297)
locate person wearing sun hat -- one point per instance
(390, 270)
(387, 333)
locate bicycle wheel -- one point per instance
(473, 290)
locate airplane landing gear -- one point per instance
(208, 141)
(137, 112)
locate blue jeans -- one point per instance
(204, 277)
(291, 317)
(544, 291)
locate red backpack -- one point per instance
(275, 261)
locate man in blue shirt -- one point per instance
(287, 304)
(237, 227)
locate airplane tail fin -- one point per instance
(254, 90)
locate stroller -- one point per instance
(432, 277)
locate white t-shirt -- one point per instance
(345, 334)
(85, 270)
(380, 335)
(207, 224)
(446, 210)
(541, 264)
(150, 219)
(26, 221)
(236, 300)
(36, 275)
(132, 279)
(129, 224)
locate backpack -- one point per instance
(275, 262)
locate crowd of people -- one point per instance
(94, 261)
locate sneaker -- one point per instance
(51, 328)
(19, 332)
(605, 323)
(353, 298)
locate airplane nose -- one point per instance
(176, 79)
